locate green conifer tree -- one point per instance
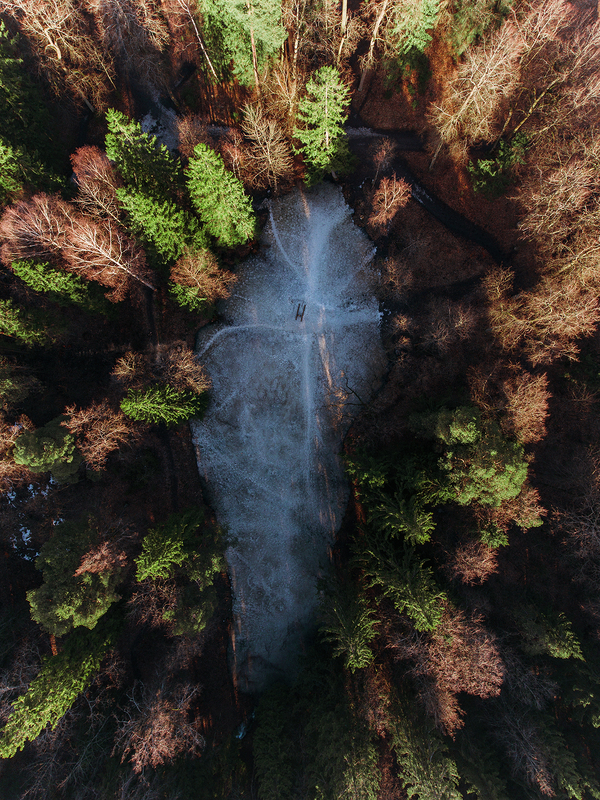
(248, 33)
(322, 114)
(349, 625)
(144, 164)
(63, 287)
(20, 325)
(67, 600)
(51, 694)
(162, 223)
(164, 404)
(426, 770)
(219, 198)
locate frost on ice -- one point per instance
(298, 346)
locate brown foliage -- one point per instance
(546, 321)
(449, 323)
(472, 562)
(391, 195)
(527, 398)
(177, 365)
(99, 430)
(191, 130)
(513, 67)
(97, 181)
(201, 271)
(174, 363)
(47, 228)
(108, 556)
(156, 729)
(460, 655)
(131, 371)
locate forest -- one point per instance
(455, 654)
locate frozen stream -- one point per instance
(299, 342)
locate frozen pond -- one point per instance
(299, 342)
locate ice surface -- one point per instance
(299, 342)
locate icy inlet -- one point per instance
(298, 347)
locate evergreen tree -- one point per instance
(349, 625)
(20, 325)
(426, 770)
(64, 287)
(175, 552)
(70, 597)
(219, 198)
(322, 114)
(25, 147)
(248, 33)
(169, 228)
(406, 581)
(164, 404)
(49, 449)
(51, 694)
(145, 164)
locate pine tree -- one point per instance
(248, 33)
(51, 694)
(322, 114)
(169, 228)
(145, 164)
(70, 597)
(163, 403)
(219, 198)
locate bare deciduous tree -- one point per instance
(460, 655)
(527, 399)
(68, 51)
(103, 253)
(391, 195)
(97, 181)
(135, 33)
(200, 271)
(35, 229)
(472, 562)
(270, 157)
(156, 729)
(99, 430)
(12, 474)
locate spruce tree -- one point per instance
(162, 223)
(20, 325)
(61, 286)
(248, 33)
(59, 683)
(163, 403)
(219, 198)
(144, 164)
(322, 114)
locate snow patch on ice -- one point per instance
(299, 343)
